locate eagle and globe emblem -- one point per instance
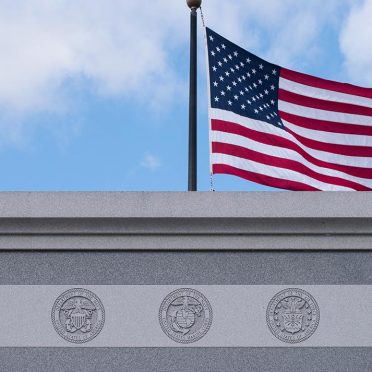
(185, 315)
(293, 315)
(78, 315)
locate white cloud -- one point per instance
(151, 162)
(356, 41)
(120, 48)
(117, 47)
(288, 32)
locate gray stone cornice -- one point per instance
(176, 220)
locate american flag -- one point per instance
(285, 129)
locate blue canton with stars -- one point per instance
(242, 82)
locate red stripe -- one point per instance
(326, 126)
(312, 81)
(321, 104)
(241, 152)
(274, 140)
(362, 151)
(262, 179)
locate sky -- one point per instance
(94, 94)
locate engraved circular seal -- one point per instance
(185, 315)
(78, 315)
(293, 315)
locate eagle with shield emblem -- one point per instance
(78, 312)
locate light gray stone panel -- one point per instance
(132, 316)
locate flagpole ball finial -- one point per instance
(194, 4)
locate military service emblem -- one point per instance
(78, 315)
(292, 315)
(185, 315)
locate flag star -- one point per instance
(248, 74)
(253, 99)
(222, 78)
(213, 53)
(260, 82)
(249, 102)
(211, 38)
(228, 87)
(225, 60)
(220, 63)
(255, 85)
(230, 103)
(272, 115)
(214, 68)
(234, 83)
(243, 107)
(266, 77)
(272, 102)
(254, 70)
(227, 73)
(236, 97)
(256, 111)
(240, 80)
(261, 109)
(275, 114)
(230, 56)
(248, 60)
(222, 93)
(250, 87)
(266, 91)
(216, 99)
(242, 64)
(274, 72)
(272, 87)
(243, 77)
(236, 53)
(237, 67)
(268, 117)
(246, 89)
(218, 49)
(241, 93)
(232, 70)
(261, 66)
(257, 97)
(223, 46)
(261, 95)
(215, 84)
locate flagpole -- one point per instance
(194, 5)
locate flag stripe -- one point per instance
(326, 126)
(364, 163)
(248, 154)
(325, 84)
(285, 153)
(312, 113)
(280, 142)
(332, 138)
(309, 91)
(321, 104)
(272, 171)
(261, 178)
(361, 151)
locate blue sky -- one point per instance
(94, 95)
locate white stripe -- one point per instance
(280, 152)
(328, 95)
(330, 137)
(263, 127)
(268, 170)
(334, 116)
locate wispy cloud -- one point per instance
(355, 42)
(151, 162)
(132, 49)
